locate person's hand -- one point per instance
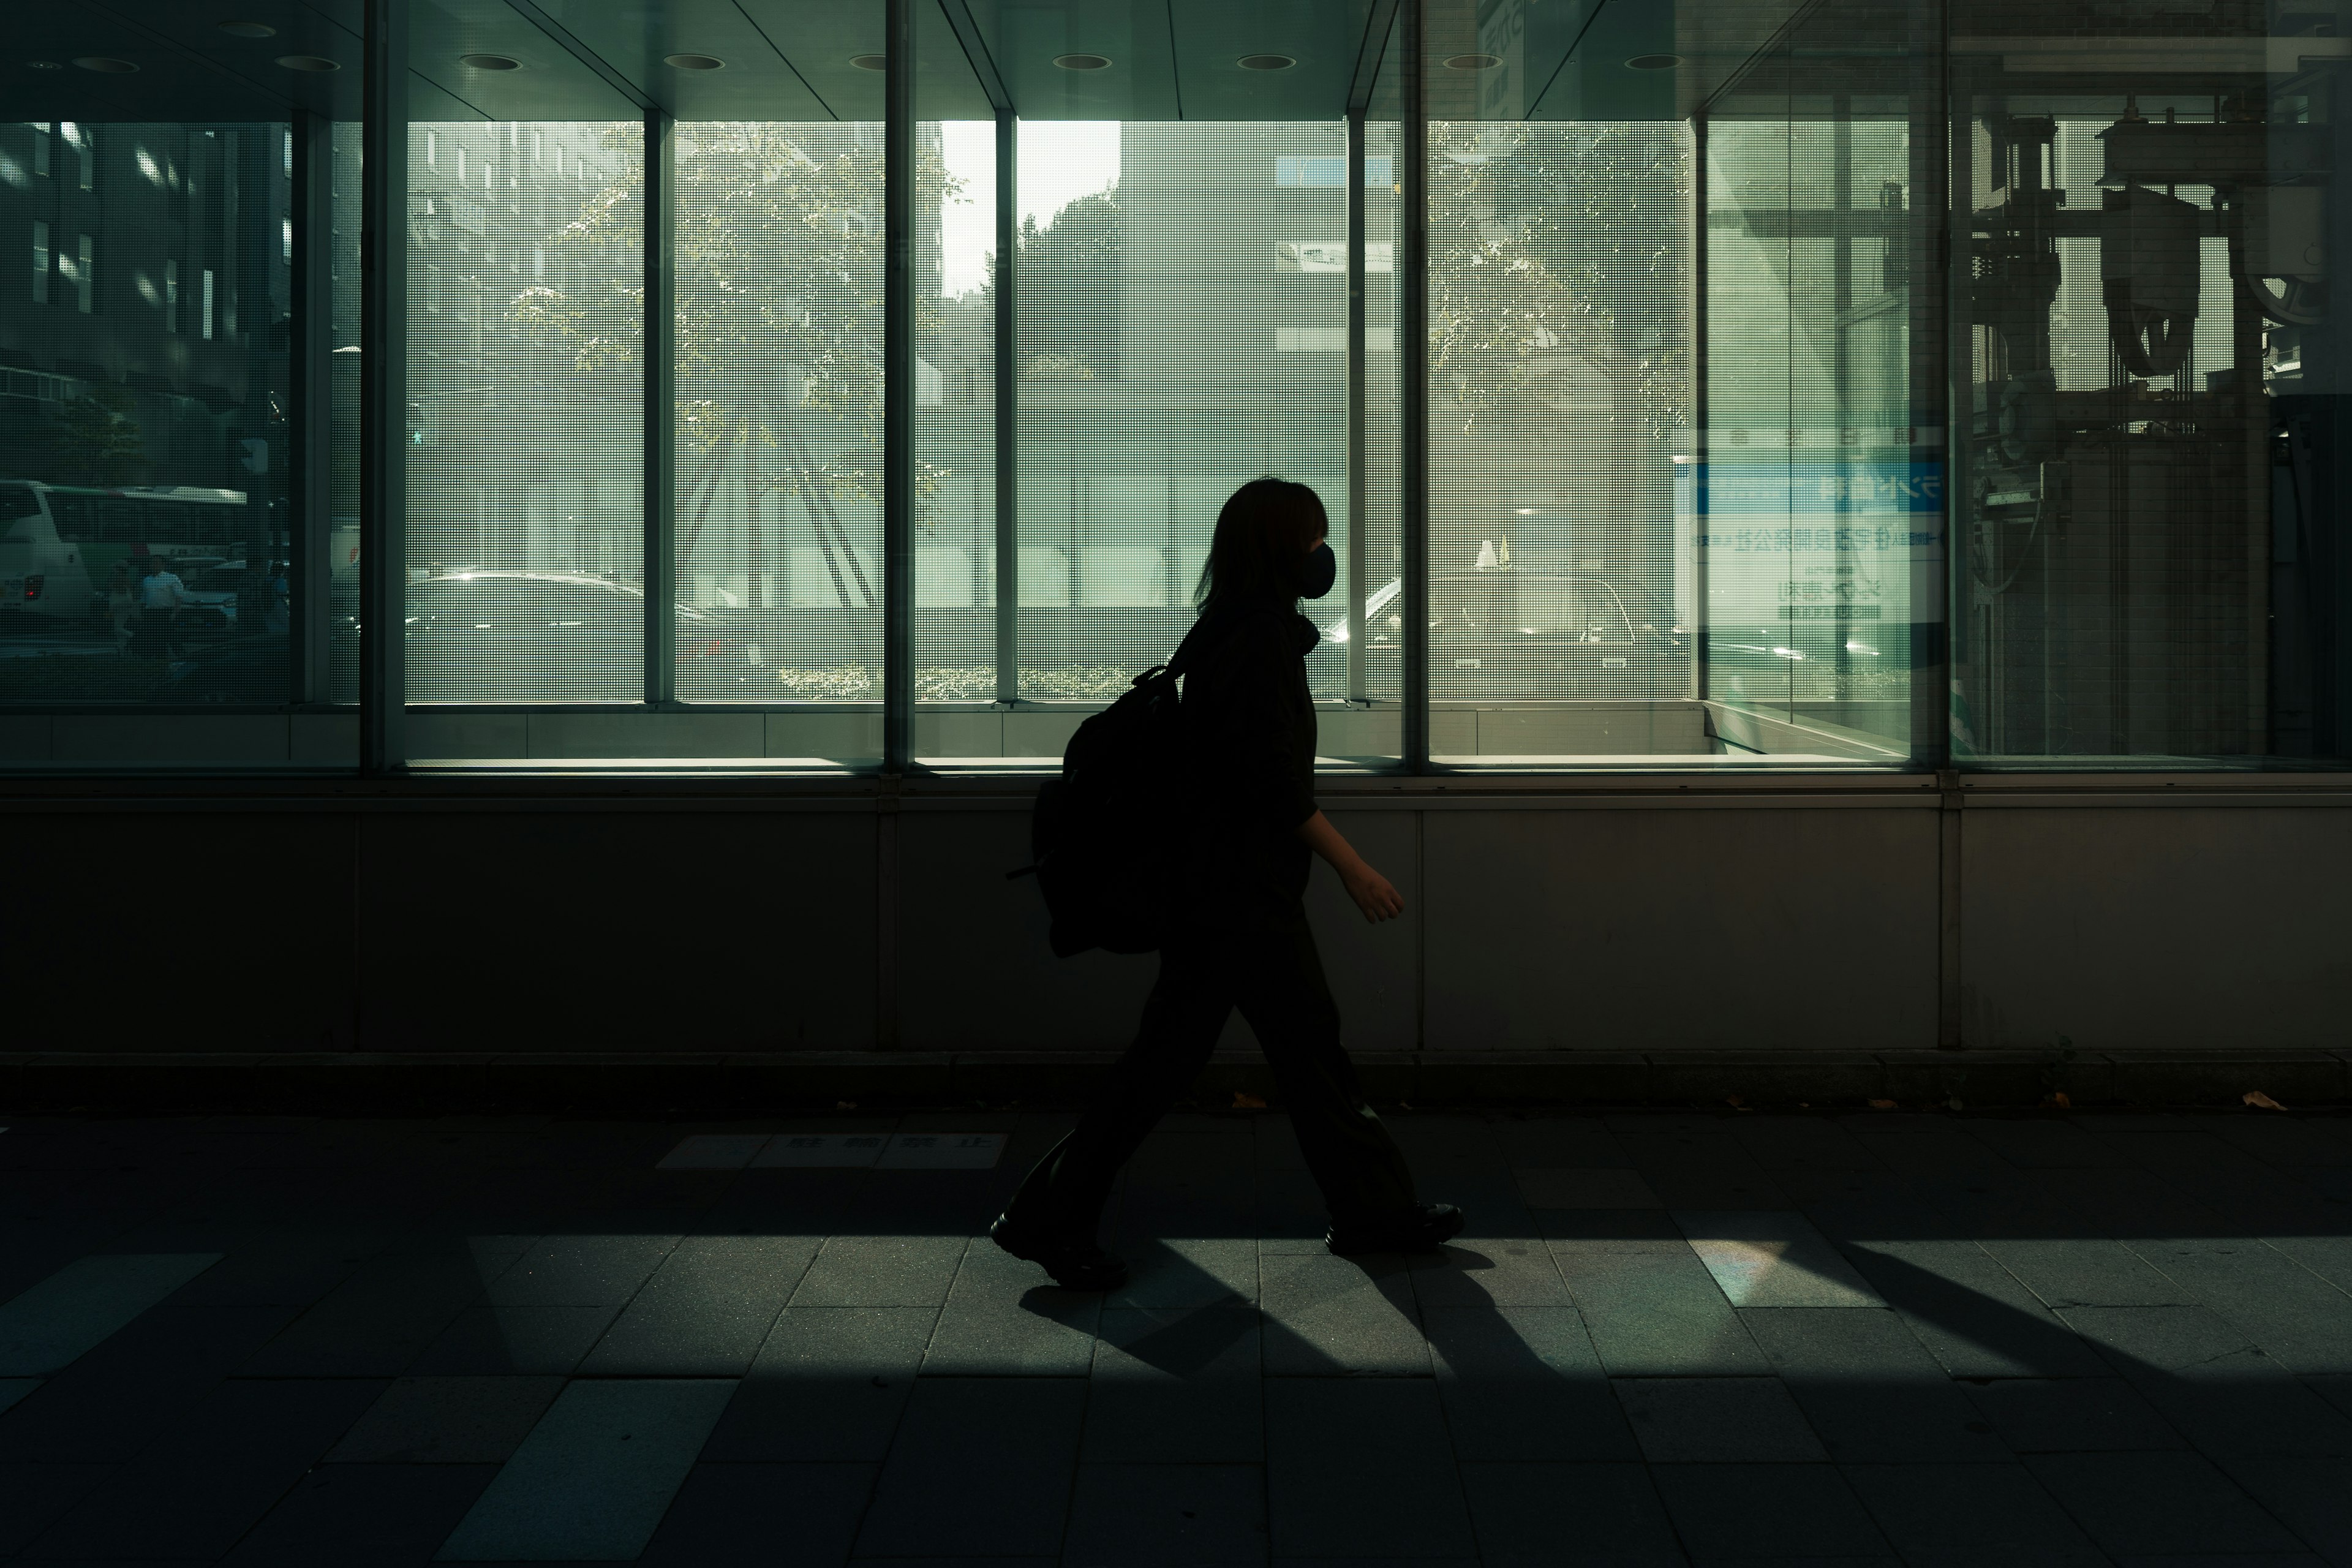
(1372, 893)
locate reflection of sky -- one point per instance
(1061, 160)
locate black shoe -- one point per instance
(1075, 1264)
(1422, 1228)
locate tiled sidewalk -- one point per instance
(1717, 1339)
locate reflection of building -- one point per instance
(147, 342)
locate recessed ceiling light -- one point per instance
(248, 30)
(43, 66)
(694, 62)
(1654, 62)
(1265, 62)
(1472, 62)
(870, 62)
(491, 62)
(106, 65)
(1083, 62)
(307, 63)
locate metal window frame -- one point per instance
(658, 361)
(1412, 264)
(383, 389)
(898, 389)
(1007, 352)
(310, 308)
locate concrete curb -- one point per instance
(611, 1082)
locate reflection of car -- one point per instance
(249, 669)
(1523, 633)
(547, 635)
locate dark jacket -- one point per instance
(1250, 732)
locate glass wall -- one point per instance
(148, 523)
(1854, 385)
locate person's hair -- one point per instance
(1265, 529)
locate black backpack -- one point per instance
(1107, 836)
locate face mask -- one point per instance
(1317, 572)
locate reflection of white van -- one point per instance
(40, 573)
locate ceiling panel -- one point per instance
(1596, 82)
(170, 84)
(635, 37)
(551, 83)
(1324, 36)
(1140, 84)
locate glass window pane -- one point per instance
(779, 485)
(525, 465)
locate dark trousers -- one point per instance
(1276, 977)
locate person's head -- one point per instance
(1265, 534)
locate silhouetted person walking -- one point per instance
(1241, 938)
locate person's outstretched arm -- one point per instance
(1371, 891)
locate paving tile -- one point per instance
(375, 1323)
(2311, 1496)
(1004, 1318)
(762, 1516)
(978, 1460)
(714, 1152)
(2070, 1415)
(1523, 1384)
(1566, 1188)
(829, 1385)
(1789, 1143)
(1506, 1272)
(1186, 1271)
(213, 1473)
(1329, 1317)
(2292, 1313)
(1569, 1514)
(1166, 1516)
(1961, 1516)
(2087, 1271)
(49, 1326)
(1869, 1389)
(1696, 1170)
(579, 1271)
(704, 1310)
(269, 1270)
(15, 1388)
(1716, 1420)
(2154, 1503)
(362, 1516)
(593, 1479)
(1175, 1387)
(1728, 1512)
(1361, 1467)
(1652, 1309)
(881, 1271)
(447, 1421)
(1974, 1316)
(1765, 1258)
(35, 1496)
(514, 1342)
(112, 1401)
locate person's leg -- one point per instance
(1064, 1194)
(1281, 991)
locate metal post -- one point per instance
(1356, 508)
(1700, 544)
(898, 390)
(384, 387)
(660, 412)
(1936, 268)
(310, 566)
(1008, 410)
(1412, 382)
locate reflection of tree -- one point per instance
(93, 439)
(1520, 275)
(778, 336)
(1068, 289)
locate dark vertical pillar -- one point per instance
(1936, 268)
(1700, 386)
(660, 422)
(1356, 508)
(311, 528)
(1412, 379)
(898, 390)
(384, 386)
(1008, 408)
